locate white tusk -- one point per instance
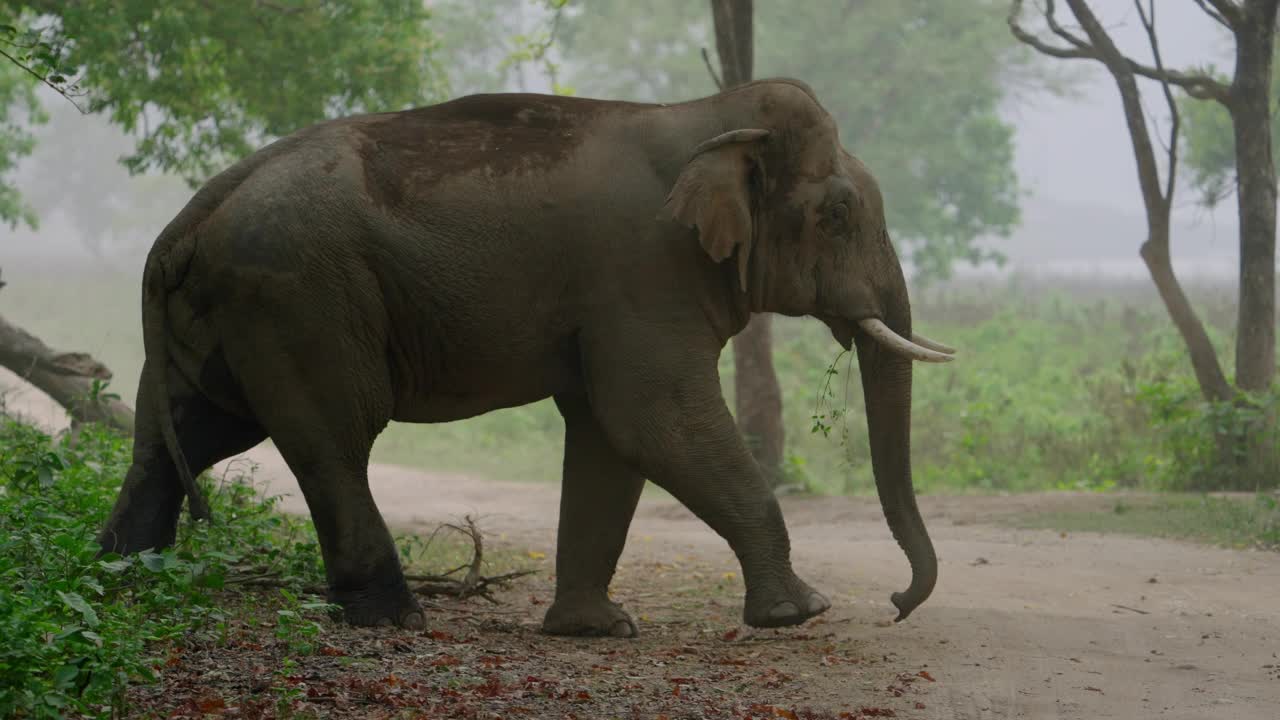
(895, 342)
(925, 342)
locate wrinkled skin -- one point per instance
(439, 263)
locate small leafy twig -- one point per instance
(40, 60)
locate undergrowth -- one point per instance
(75, 628)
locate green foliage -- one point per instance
(497, 46)
(76, 628)
(1212, 445)
(915, 85)
(1210, 141)
(203, 85)
(18, 108)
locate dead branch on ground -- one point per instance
(472, 584)
(66, 377)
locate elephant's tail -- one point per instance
(155, 304)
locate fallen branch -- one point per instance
(66, 377)
(473, 584)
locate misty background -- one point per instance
(1081, 206)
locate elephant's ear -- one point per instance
(713, 194)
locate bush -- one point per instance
(1212, 445)
(75, 629)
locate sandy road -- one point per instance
(1023, 624)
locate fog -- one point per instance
(1081, 212)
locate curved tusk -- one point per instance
(925, 342)
(895, 342)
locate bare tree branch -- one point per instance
(1030, 38)
(1228, 12)
(1217, 16)
(706, 59)
(1197, 85)
(1051, 19)
(1148, 18)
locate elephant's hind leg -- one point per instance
(324, 399)
(146, 510)
(598, 498)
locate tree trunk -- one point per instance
(758, 398)
(758, 395)
(1256, 196)
(1204, 360)
(1250, 106)
(1157, 201)
(65, 377)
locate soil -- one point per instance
(1023, 624)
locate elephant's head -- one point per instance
(803, 223)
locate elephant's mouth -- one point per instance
(918, 347)
(842, 330)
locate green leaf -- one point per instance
(65, 676)
(155, 562)
(115, 566)
(80, 605)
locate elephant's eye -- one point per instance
(838, 214)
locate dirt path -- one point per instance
(1022, 624)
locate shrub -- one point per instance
(75, 629)
(1207, 445)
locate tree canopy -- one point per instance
(17, 107)
(200, 85)
(916, 86)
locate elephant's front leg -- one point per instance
(667, 417)
(597, 499)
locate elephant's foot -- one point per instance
(783, 604)
(588, 616)
(127, 532)
(380, 605)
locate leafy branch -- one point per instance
(536, 49)
(41, 59)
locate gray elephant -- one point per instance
(439, 263)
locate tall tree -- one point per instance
(201, 85)
(1247, 101)
(757, 394)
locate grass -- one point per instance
(1059, 385)
(1228, 521)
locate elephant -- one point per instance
(433, 264)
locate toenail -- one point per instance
(414, 621)
(784, 609)
(623, 629)
(818, 603)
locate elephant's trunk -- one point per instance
(886, 384)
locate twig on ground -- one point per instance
(473, 584)
(1131, 609)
